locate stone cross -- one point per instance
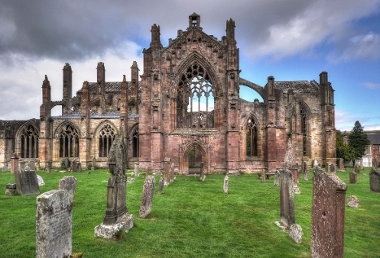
(327, 230)
(54, 224)
(147, 197)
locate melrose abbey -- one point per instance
(183, 104)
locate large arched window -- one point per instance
(68, 142)
(251, 137)
(29, 142)
(106, 137)
(195, 101)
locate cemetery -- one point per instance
(190, 217)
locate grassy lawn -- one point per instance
(191, 218)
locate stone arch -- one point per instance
(305, 117)
(103, 137)
(251, 136)
(27, 139)
(200, 155)
(133, 135)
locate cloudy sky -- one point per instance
(289, 39)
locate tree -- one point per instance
(343, 150)
(358, 140)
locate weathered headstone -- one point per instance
(160, 185)
(225, 185)
(291, 165)
(74, 165)
(341, 164)
(353, 201)
(22, 165)
(306, 174)
(327, 233)
(68, 183)
(296, 233)
(374, 180)
(332, 168)
(137, 170)
(53, 225)
(116, 218)
(147, 197)
(353, 178)
(286, 199)
(40, 180)
(172, 178)
(32, 165)
(276, 180)
(166, 171)
(27, 182)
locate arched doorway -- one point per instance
(195, 159)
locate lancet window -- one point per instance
(195, 101)
(69, 142)
(304, 130)
(29, 142)
(135, 142)
(251, 137)
(106, 137)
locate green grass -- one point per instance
(191, 218)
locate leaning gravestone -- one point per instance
(327, 231)
(68, 183)
(27, 182)
(116, 218)
(147, 197)
(374, 180)
(54, 225)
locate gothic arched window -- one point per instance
(29, 142)
(106, 137)
(251, 137)
(195, 101)
(135, 142)
(69, 142)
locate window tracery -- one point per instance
(29, 142)
(251, 137)
(195, 101)
(106, 137)
(69, 142)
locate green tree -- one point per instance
(343, 150)
(358, 140)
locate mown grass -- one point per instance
(191, 219)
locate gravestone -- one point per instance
(137, 170)
(116, 217)
(332, 168)
(68, 183)
(40, 180)
(296, 233)
(53, 225)
(147, 197)
(276, 180)
(74, 165)
(353, 201)
(225, 185)
(327, 231)
(22, 164)
(287, 216)
(160, 185)
(374, 180)
(27, 182)
(353, 178)
(306, 174)
(291, 165)
(166, 171)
